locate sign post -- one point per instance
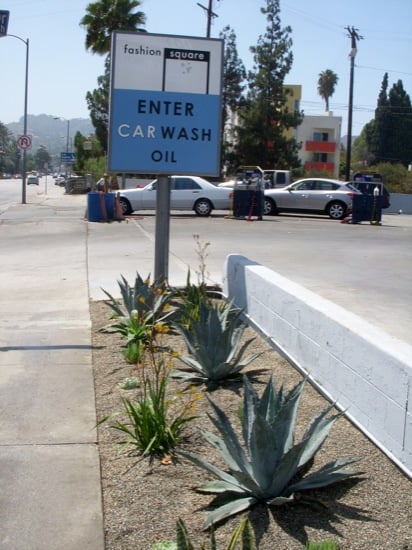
(165, 114)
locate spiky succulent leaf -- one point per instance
(182, 537)
(280, 501)
(230, 480)
(285, 418)
(269, 404)
(316, 434)
(214, 343)
(244, 535)
(263, 452)
(230, 509)
(231, 440)
(328, 474)
(220, 446)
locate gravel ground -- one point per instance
(142, 501)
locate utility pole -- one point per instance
(210, 15)
(354, 36)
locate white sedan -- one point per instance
(186, 193)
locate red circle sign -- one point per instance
(24, 142)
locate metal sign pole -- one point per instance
(161, 265)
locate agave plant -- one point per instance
(141, 297)
(271, 468)
(214, 341)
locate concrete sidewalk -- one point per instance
(49, 462)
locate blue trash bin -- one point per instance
(94, 206)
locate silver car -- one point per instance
(311, 195)
(186, 193)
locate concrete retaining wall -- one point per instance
(399, 202)
(352, 362)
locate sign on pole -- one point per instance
(165, 104)
(4, 22)
(67, 157)
(24, 142)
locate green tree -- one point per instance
(102, 18)
(9, 153)
(234, 76)
(389, 135)
(266, 118)
(326, 85)
(87, 148)
(41, 158)
(98, 104)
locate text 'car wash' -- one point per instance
(170, 132)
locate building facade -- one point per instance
(320, 143)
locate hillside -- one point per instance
(51, 132)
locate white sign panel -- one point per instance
(165, 104)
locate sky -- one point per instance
(62, 71)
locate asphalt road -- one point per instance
(365, 268)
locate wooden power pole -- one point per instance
(210, 15)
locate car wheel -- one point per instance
(269, 207)
(203, 207)
(336, 210)
(125, 206)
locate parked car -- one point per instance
(32, 180)
(311, 195)
(368, 187)
(77, 184)
(60, 180)
(186, 193)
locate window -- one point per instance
(320, 157)
(320, 136)
(321, 185)
(304, 186)
(185, 184)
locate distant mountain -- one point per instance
(344, 140)
(51, 132)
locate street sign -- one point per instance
(165, 107)
(4, 22)
(67, 157)
(24, 142)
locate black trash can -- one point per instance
(247, 203)
(367, 208)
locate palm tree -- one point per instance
(105, 16)
(326, 85)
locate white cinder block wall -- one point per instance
(359, 366)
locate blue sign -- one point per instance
(68, 157)
(165, 107)
(4, 22)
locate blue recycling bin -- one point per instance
(96, 202)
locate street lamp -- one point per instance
(23, 182)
